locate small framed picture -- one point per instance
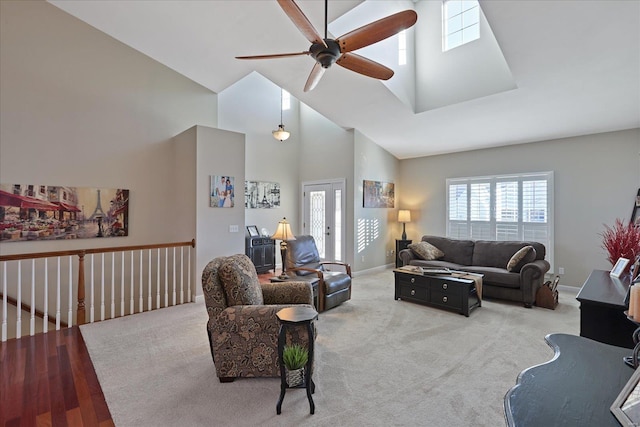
(617, 269)
(252, 230)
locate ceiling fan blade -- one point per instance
(301, 22)
(364, 66)
(377, 30)
(276, 55)
(314, 77)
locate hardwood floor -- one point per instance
(49, 380)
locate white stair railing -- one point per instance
(46, 287)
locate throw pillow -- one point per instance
(425, 251)
(523, 256)
(240, 281)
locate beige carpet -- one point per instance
(379, 362)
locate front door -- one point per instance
(324, 217)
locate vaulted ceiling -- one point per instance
(576, 66)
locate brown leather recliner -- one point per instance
(303, 262)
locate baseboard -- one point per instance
(200, 298)
(377, 269)
(570, 289)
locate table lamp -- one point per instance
(404, 216)
(283, 233)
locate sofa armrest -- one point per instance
(406, 255)
(531, 278)
(287, 293)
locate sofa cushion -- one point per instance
(523, 256)
(425, 250)
(493, 253)
(495, 276)
(240, 281)
(434, 264)
(455, 251)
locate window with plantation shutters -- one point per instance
(502, 207)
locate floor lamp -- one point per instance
(283, 233)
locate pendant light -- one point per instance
(280, 134)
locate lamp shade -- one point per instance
(283, 232)
(404, 215)
(281, 134)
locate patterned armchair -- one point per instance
(243, 327)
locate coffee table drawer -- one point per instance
(411, 291)
(447, 286)
(446, 299)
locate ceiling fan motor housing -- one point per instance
(325, 55)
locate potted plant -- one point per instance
(621, 241)
(294, 358)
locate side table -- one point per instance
(400, 245)
(288, 317)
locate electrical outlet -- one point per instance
(362, 258)
(233, 229)
(561, 270)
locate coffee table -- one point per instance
(442, 291)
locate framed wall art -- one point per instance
(49, 212)
(635, 213)
(378, 194)
(261, 195)
(222, 191)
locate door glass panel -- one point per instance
(316, 219)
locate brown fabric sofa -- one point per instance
(242, 326)
(489, 258)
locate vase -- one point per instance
(294, 377)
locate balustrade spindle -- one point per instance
(91, 293)
(19, 302)
(70, 313)
(141, 301)
(122, 284)
(166, 277)
(149, 298)
(32, 318)
(102, 286)
(158, 279)
(45, 318)
(4, 301)
(131, 294)
(113, 285)
(181, 276)
(58, 294)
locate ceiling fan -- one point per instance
(327, 51)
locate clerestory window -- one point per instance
(461, 23)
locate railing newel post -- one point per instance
(81, 316)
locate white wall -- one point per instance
(467, 72)
(327, 152)
(202, 152)
(252, 106)
(78, 108)
(596, 179)
(375, 229)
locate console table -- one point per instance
(576, 388)
(602, 309)
(262, 252)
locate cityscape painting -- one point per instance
(378, 194)
(261, 195)
(46, 212)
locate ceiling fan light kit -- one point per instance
(326, 51)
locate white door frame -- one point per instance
(336, 183)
